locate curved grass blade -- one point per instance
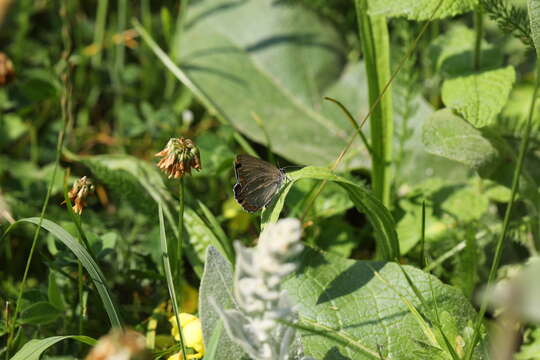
(86, 260)
(379, 217)
(33, 349)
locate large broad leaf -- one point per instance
(216, 286)
(479, 97)
(421, 9)
(380, 218)
(449, 136)
(275, 65)
(33, 349)
(354, 309)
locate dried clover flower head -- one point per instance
(178, 157)
(7, 72)
(79, 192)
(120, 345)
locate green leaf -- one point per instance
(222, 242)
(534, 17)
(479, 97)
(364, 306)
(453, 52)
(217, 286)
(449, 206)
(39, 313)
(513, 119)
(449, 136)
(421, 9)
(331, 201)
(86, 260)
(200, 237)
(379, 217)
(56, 297)
(33, 349)
(276, 64)
(530, 350)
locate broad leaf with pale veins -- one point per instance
(421, 9)
(359, 307)
(479, 97)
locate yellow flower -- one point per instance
(193, 337)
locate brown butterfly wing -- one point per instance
(257, 182)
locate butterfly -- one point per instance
(257, 182)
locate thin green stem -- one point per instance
(80, 291)
(423, 236)
(99, 32)
(500, 242)
(59, 145)
(118, 69)
(181, 195)
(175, 44)
(170, 282)
(479, 28)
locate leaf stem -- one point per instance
(181, 195)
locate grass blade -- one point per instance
(168, 276)
(379, 217)
(86, 260)
(33, 349)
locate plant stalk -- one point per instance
(373, 32)
(479, 27)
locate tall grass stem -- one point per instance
(500, 241)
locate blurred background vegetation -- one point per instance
(124, 101)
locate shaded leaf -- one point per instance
(453, 52)
(260, 66)
(449, 136)
(56, 297)
(39, 313)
